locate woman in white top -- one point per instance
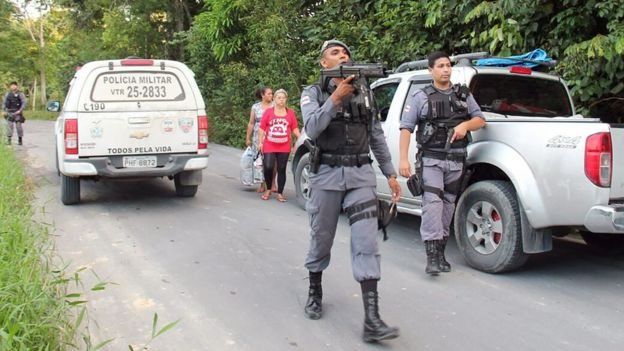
(265, 95)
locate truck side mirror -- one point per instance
(53, 106)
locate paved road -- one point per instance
(229, 265)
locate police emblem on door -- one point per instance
(168, 125)
(95, 130)
(186, 124)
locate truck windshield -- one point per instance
(521, 95)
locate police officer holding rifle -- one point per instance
(340, 118)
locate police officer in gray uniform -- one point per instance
(445, 114)
(345, 180)
(13, 104)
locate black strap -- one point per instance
(429, 89)
(436, 191)
(345, 160)
(453, 187)
(353, 209)
(362, 215)
(441, 155)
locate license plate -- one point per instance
(139, 161)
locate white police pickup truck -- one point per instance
(131, 118)
(537, 169)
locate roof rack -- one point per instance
(461, 59)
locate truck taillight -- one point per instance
(202, 132)
(71, 136)
(598, 159)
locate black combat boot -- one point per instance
(374, 328)
(444, 265)
(19, 140)
(433, 259)
(314, 306)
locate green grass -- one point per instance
(41, 115)
(35, 311)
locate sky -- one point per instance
(31, 8)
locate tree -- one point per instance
(36, 29)
(18, 63)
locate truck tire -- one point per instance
(488, 227)
(610, 244)
(184, 190)
(302, 180)
(70, 190)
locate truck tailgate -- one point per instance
(617, 175)
(136, 133)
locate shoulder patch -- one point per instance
(305, 99)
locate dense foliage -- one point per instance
(235, 46)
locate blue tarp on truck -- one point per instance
(531, 59)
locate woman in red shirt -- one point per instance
(276, 126)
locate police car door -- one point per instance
(385, 93)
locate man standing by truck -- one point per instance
(344, 178)
(445, 114)
(13, 105)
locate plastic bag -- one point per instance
(258, 169)
(247, 167)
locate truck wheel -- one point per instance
(70, 190)
(184, 190)
(488, 227)
(302, 180)
(609, 244)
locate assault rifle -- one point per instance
(362, 103)
(359, 70)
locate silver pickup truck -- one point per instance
(537, 169)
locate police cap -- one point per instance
(332, 43)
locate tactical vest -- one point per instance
(13, 102)
(346, 134)
(446, 111)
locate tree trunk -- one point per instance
(179, 15)
(42, 69)
(34, 93)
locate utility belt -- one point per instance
(345, 160)
(441, 155)
(11, 116)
